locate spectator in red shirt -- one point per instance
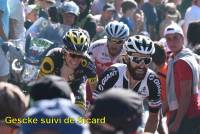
(182, 84)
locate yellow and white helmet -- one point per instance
(76, 40)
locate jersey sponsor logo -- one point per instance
(108, 76)
(157, 83)
(151, 77)
(100, 87)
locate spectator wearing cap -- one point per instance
(182, 84)
(50, 87)
(12, 104)
(70, 12)
(122, 110)
(61, 110)
(103, 19)
(128, 9)
(31, 15)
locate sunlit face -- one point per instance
(32, 16)
(73, 60)
(138, 65)
(107, 15)
(68, 19)
(175, 42)
(115, 46)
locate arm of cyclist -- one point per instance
(107, 80)
(154, 103)
(51, 63)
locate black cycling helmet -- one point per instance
(76, 40)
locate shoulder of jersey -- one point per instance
(119, 65)
(98, 43)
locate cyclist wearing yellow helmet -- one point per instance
(72, 63)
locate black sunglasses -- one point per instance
(115, 41)
(138, 60)
(75, 55)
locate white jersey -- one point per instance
(98, 51)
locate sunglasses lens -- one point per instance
(147, 61)
(136, 60)
(116, 41)
(75, 55)
(139, 60)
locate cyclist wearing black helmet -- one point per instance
(72, 63)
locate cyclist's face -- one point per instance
(175, 42)
(138, 65)
(73, 60)
(115, 46)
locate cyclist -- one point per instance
(105, 52)
(136, 75)
(71, 63)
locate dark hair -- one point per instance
(127, 5)
(193, 33)
(196, 49)
(159, 57)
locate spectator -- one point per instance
(171, 15)
(128, 9)
(50, 87)
(192, 34)
(43, 7)
(118, 10)
(97, 6)
(70, 12)
(152, 20)
(85, 19)
(138, 18)
(12, 104)
(122, 110)
(160, 67)
(17, 19)
(60, 109)
(106, 16)
(31, 15)
(192, 14)
(182, 84)
(4, 30)
(103, 19)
